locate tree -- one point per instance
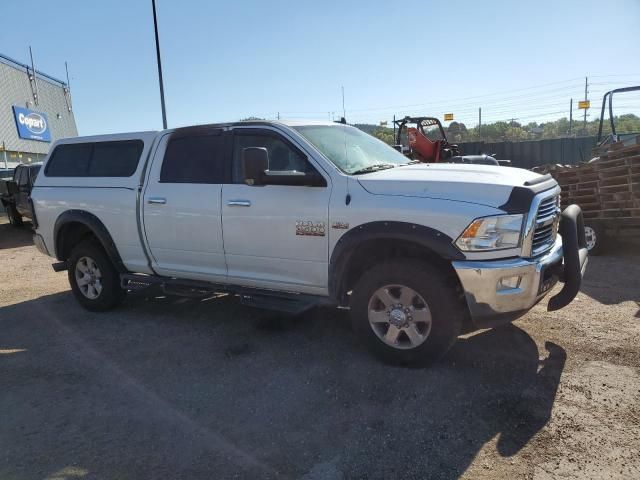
(514, 131)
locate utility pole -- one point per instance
(570, 116)
(155, 27)
(480, 122)
(584, 124)
(278, 115)
(394, 128)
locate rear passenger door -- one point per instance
(181, 204)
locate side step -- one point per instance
(282, 303)
(170, 286)
(293, 303)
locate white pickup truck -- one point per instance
(293, 215)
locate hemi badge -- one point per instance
(340, 225)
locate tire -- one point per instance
(94, 280)
(15, 218)
(435, 312)
(596, 239)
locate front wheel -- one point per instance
(94, 280)
(407, 312)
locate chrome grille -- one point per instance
(546, 225)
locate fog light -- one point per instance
(509, 282)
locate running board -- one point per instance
(289, 302)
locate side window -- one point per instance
(282, 156)
(115, 159)
(99, 159)
(71, 160)
(19, 176)
(195, 158)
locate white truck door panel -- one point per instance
(181, 205)
(275, 236)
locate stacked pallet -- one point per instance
(606, 188)
(579, 185)
(619, 181)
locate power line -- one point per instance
(528, 101)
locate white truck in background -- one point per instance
(293, 215)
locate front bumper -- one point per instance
(499, 291)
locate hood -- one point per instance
(481, 184)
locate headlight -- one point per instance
(492, 233)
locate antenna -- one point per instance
(344, 113)
(66, 67)
(35, 79)
(68, 89)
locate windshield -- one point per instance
(350, 149)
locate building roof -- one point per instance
(16, 64)
(17, 89)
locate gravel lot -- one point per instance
(177, 388)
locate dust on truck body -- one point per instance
(293, 215)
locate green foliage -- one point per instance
(514, 131)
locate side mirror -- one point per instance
(255, 160)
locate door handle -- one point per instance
(239, 203)
(156, 200)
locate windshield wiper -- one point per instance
(373, 168)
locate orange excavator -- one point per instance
(423, 139)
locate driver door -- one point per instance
(275, 236)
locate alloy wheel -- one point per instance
(399, 316)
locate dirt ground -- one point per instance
(176, 388)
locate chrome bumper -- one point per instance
(498, 288)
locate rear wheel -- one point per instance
(15, 218)
(94, 280)
(406, 312)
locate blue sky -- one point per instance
(228, 60)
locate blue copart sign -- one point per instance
(32, 125)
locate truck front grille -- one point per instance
(546, 229)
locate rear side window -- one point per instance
(197, 158)
(22, 176)
(115, 159)
(99, 159)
